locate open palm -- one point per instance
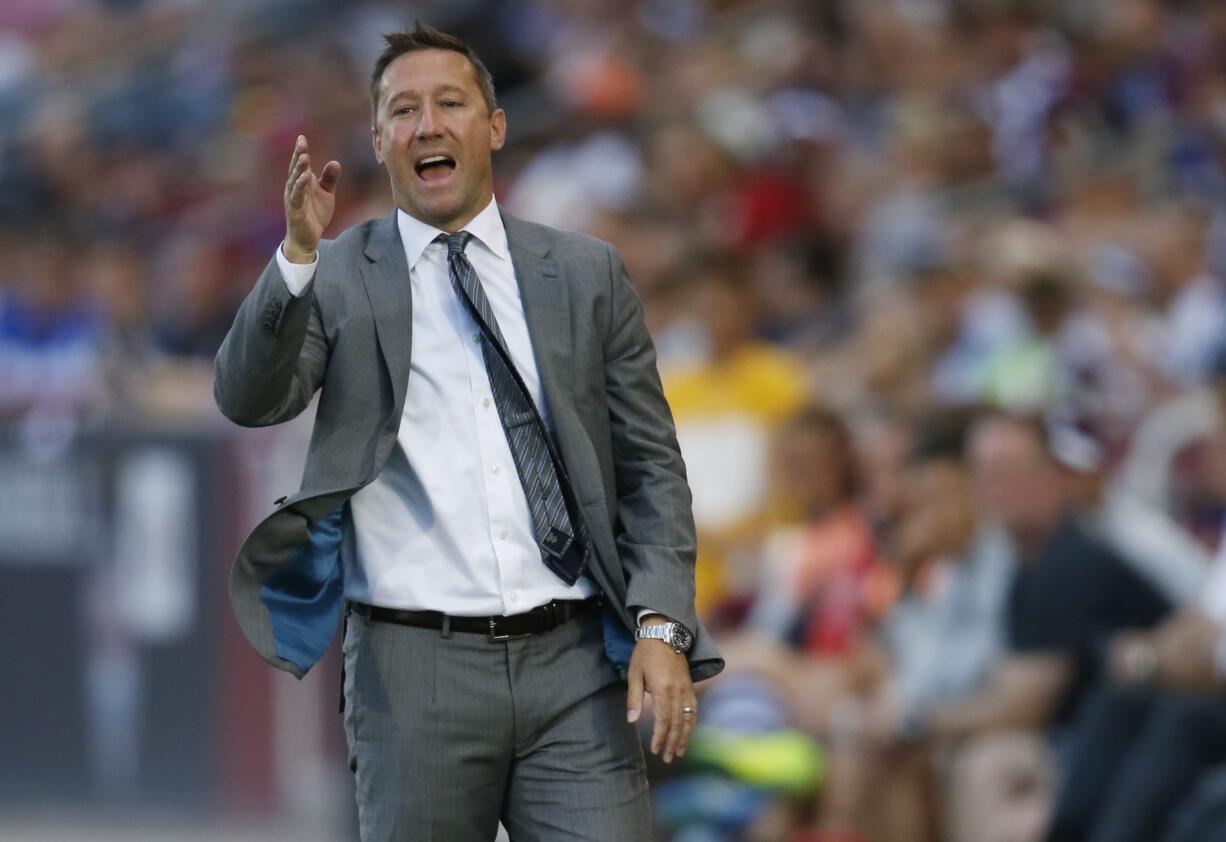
(309, 203)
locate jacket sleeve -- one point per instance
(274, 357)
(655, 526)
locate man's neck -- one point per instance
(457, 223)
(1031, 541)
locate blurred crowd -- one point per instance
(938, 289)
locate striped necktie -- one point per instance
(564, 548)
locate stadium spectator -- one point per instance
(727, 409)
(1070, 594)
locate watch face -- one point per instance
(681, 637)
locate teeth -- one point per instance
(432, 159)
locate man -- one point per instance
(492, 454)
(1177, 734)
(1188, 652)
(1069, 594)
(943, 637)
(946, 634)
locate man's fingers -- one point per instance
(664, 716)
(674, 729)
(330, 175)
(687, 728)
(681, 724)
(634, 695)
(297, 194)
(300, 146)
(302, 167)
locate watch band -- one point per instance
(671, 632)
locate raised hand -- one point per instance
(309, 203)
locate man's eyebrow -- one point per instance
(441, 89)
(399, 95)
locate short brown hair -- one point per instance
(426, 38)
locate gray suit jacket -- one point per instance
(350, 337)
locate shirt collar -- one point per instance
(486, 228)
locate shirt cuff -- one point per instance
(643, 612)
(296, 275)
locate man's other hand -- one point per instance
(309, 203)
(1180, 655)
(665, 675)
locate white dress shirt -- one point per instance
(1213, 597)
(446, 524)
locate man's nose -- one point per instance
(427, 124)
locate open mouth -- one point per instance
(434, 167)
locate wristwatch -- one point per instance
(672, 633)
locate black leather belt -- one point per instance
(541, 619)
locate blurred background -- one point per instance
(939, 294)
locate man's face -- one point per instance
(937, 516)
(813, 469)
(434, 133)
(1015, 479)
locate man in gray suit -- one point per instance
(493, 496)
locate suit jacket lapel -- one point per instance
(546, 306)
(386, 278)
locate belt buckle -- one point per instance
(495, 636)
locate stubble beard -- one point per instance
(441, 214)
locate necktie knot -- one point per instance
(456, 243)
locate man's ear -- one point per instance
(498, 129)
(377, 142)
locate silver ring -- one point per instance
(687, 711)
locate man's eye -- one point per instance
(451, 103)
(404, 109)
